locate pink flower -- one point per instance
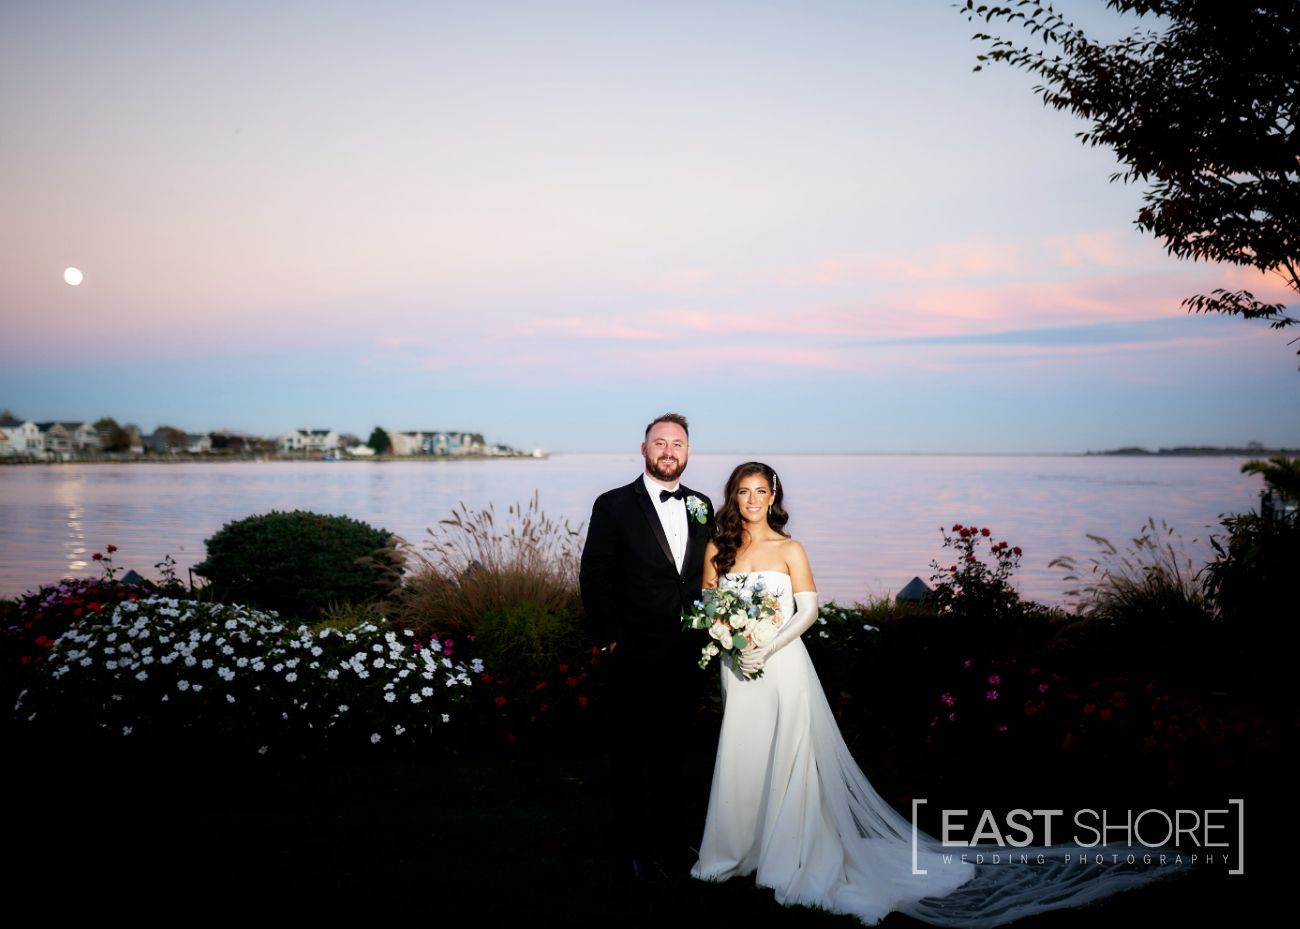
(948, 699)
(952, 717)
(1002, 728)
(995, 679)
(967, 663)
(1042, 688)
(991, 695)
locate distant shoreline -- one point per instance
(1192, 451)
(275, 459)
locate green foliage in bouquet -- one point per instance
(299, 563)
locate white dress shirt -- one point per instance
(672, 516)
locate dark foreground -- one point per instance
(174, 837)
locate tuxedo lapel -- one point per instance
(652, 517)
(694, 532)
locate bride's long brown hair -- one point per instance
(729, 528)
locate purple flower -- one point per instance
(995, 680)
(948, 699)
(967, 663)
(991, 695)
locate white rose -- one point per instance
(739, 621)
(762, 634)
(720, 632)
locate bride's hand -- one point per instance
(753, 658)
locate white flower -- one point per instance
(343, 707)
(332, 674)
(262, 750)
(374, 738)
(377, 647)
(426, 691)
(390, 697)
(415, 698)
(317, 651)
(126, 730)
(197, 687)
(399, 728)
(720, 632)
(205, 663)
(378, 663)
(446, 718)
(476, 665)
(230, 698)
(291, 676)
(762, 633)
(111, 665)
(183, 685)
(142, 676)
(739, 621)
(277, 667)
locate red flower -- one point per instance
(486, 677)
(563, 669)
(956, 527)
(571, 681)
(111, 549)
(582, 700)
(1016, 550)
(539, 685)
(1067, 741)
(98, 556)
(1089, 709)
(500, 700)
(984, 532)
(1106, 713)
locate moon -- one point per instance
(72, 276)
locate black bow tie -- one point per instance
(675, 494)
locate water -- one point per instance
(869, 523)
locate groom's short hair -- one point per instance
(677, 418)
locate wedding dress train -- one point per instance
(790, 805)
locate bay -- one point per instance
(869, 522)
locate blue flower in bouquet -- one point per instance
(737, 618)
(698, 509)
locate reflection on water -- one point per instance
(869, 523)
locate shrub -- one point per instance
(170, 668)
(474, 569)
(300, 562)
(527, 638)
(1252, 576)
(971, 588)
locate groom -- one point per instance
(642, 566)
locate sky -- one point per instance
(808, 225)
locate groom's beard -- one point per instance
(665, 469)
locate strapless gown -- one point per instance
(790, 805)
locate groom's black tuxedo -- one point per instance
(634, 595)
(631, 590)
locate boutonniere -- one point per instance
(698, 509)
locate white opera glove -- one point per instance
(805, 614)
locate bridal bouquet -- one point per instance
(737, 617)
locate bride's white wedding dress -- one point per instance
(790, 805)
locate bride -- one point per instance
(789, 804)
